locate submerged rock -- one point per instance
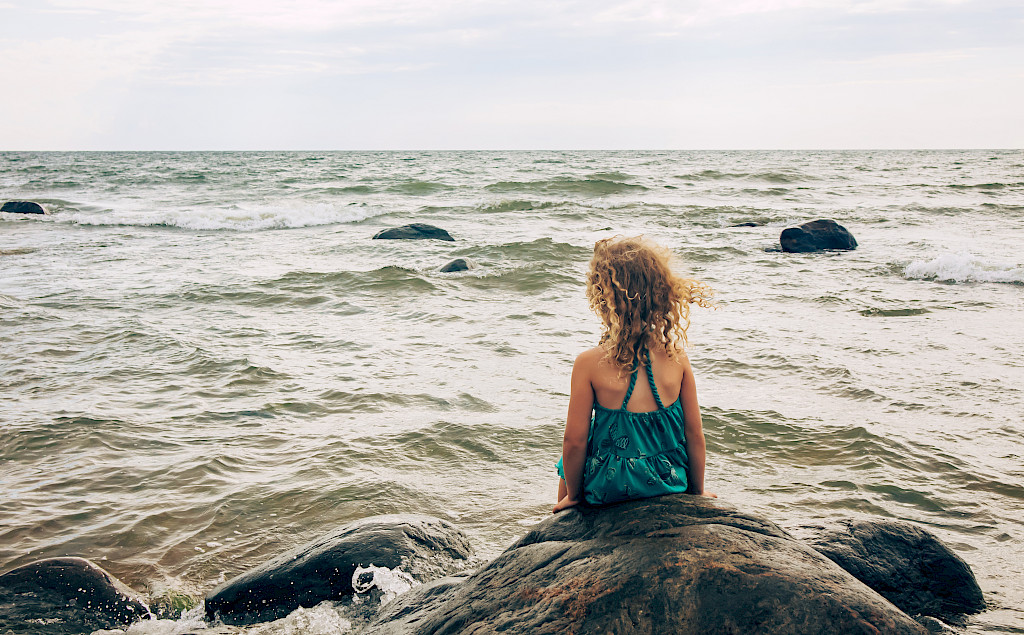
(671, 564)
(905, 563)
(22, 207)
(414, 231)
(746, 224)
(459, 264)
(65, 595)
(817, 235)
(422, 546)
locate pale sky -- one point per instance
(515, 74)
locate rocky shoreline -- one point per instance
(671, 564)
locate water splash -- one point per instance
(191, 620)
(323, 619)
(964, 267)
(392, 582)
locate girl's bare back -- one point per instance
(610, 383)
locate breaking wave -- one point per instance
(964, 267)
(237, 218)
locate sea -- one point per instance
(207, 360)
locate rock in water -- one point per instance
(816, 235)
(907, 564)
(422, 546)
(413, 231)
(746, 224)
(459, 264)
(65, 595)
(22, 207)
(672, 564)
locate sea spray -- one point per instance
(391, 582)
(964, 267)
(191, 620)
(325, 618)
(241, 217)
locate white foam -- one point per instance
(391, 581)
(244, 217)
(189, 622)
(964, 267)
(323, 619)
(326, 618)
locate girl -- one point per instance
(621, 439)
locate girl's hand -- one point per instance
(565, 503)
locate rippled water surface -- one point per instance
(205, 359)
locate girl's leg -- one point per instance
(561, 489)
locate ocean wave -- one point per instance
(984, 186)
(514, 205)
(419, 188)
(768, 177)
(533, 251)
(238, 218)
(384, 279)
(963, 267)
(771, 191)
(1002, 207)
(591, 187)
(529, 280)
(350, 189)
(611, 176)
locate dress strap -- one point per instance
(632, 385)
(654, 388)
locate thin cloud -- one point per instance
(469, 72)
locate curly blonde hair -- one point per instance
(642, 303)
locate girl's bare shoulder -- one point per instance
(590, 358)
(678, 360)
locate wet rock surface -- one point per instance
(423, 546)
(22, 207)
(413, 231)
(817, 235)
(905, 563)
(65, 595)
(459, 264)
(672, 564)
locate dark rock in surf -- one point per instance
(22, 207)
(413, 231)
(747, 224)
(65, 595)
(817, 235)
(905, 563)
(422, 546)
(936, 626)
(459, 264)
(671, 564)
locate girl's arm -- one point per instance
(693, 429)
(577, 428)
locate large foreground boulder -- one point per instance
(908, 565)
(65, 595)
(22, 207)
(413, 231)
(421, 546)
(674, 564)
(817, 235)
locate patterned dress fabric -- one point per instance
(634, 454)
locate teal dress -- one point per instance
(634, 454)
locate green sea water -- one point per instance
(206, 360)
